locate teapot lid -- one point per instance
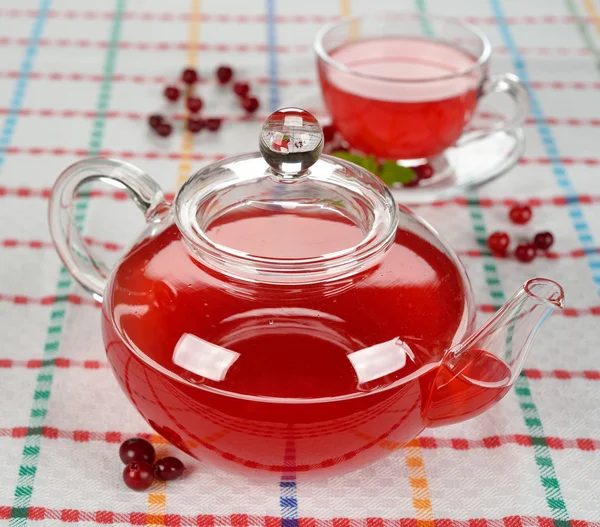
(292, 185)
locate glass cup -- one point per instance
(405, 86)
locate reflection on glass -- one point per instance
(380, 360)
(202, 358)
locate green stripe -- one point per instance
(43, 389)
(584, 31)
(531, 416)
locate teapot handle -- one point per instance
(65, 222)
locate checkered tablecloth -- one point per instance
(79, 77)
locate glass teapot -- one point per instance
(284, 314)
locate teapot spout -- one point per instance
(477, 373)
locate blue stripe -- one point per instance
(16, 101)
(288, 503)
(288, 496)
(580, 224)
(274, 100)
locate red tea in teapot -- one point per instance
(342, 371)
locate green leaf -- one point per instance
(347, 156)
(368, 163)
(392, 173)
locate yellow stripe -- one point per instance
(345, 8)
(419, 485)
(187, 142)
(157, 495)
(593, 14)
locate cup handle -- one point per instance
(77, 257)
(509, 84)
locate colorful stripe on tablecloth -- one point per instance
(77, 300)
(585, 444)
(459, 201)
(584, 29)
(28, 467)
(582, 229)
(107, 517)
(187, 141)
(235, 18)
(543, 458)
(296, 81)
(18, 95)
(288, 492)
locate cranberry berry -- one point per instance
(168, 468)
(525, 252)
(138, 475)
(328, 132)
(213, 124)
(195, 125)
(189, 76)
(154, 120)
(412, 183)
(136, 449)
(194, 104)
(164, 129)
(241, 88)
(498, 243)
(423, 171)
(172, 93)
(224, 74)
(520, 214)
(250, 104)
(543, 240)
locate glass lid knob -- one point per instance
(291, 141)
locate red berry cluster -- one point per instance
(138, 454)
(194, 104)
(498, 242)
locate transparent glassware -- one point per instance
(283, 314)
(405, 86)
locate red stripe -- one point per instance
(591, 375)
(12, 243)
(121, 77)
(61, 362)
(170, 17)
(259, 19)
(136, 116)
(48, 300)
(558, 201)
(550, 255)
(302, 81)
(427, 442)
(240, 48)
(156, 46)
(79, 300)
(561, 85)
(210, 520)
(36, 151)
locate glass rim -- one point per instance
(482, 59)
